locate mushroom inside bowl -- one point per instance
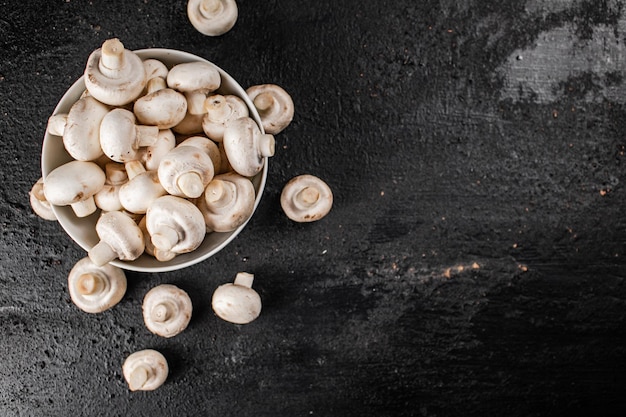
(83, 231)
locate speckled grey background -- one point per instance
(473, 263)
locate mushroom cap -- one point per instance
(163, 108)
(190, 125)
(114, 75)
(81, 136)
(175, 224)
(151, 250)
(145, 370)
(38, 202)
(121, 137)
(306, 198)
(207, 145)
(220, 110)
(235, 303)
(212, 17)
(151, 155)
(108, 198)
(137, 194)
(192, 76)
(73, 182)
(246, 146)
(120, 238)
(154, 68)
(227, 202)
(185, 171)
(95, 289)
(166, 310)
(274, 104)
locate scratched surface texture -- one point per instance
(474, 261)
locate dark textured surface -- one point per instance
(473, 263)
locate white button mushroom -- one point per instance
(160, 255)
(163, 107)
(246, 147)
(306, 198)
(220, 109)
(38, 202)
(237, 302)
(145, 370)
(190, 125)
(154, 69)
(120, 238)
(185, 171)
(137, 194)
(56, 124)
(114, 75)
(81, 135)
(227, 202)
(196, 80)
(108, 198)
(121, 137)
(175, 224)
(95, 289)
(274, 105)
(151, 156)
(166, 310)
(74, 183)
(212, 17)
(207, 145)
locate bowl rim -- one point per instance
(65, 216)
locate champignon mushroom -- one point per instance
(94, 288)
(121, 137)
(114, 75)
(137, 194)
(227, 202)
(274, 105)
(212, 17)
(185, 171)
(81, 134)
(237, 302)
(175, 224)
(306, 198)
(160, 255)
(220, 109)
(207, 145)
(108, 198)
(120, 238)
(145, 370)
(166, 310)
(151, 156)
(154, 69)
(162, 107)
(196, 80)
(190, 125)
(56, 124)
(74, 183)
(38, 202)
(246, 147)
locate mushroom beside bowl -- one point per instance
(83, 230)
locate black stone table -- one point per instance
(473, 263)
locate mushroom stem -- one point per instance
(138, 378)
(190, 183)
(244, 279)
(84, 208)
(134, 168)
(217, 108)
(264, 102)
(162, 312)
(164, 238)
(210, 8)
(112, 58)
(220, 193)
(37, 191)
(155, 84)
(56, 124)
(146, 135)
(306, 197)
(102, 253)
(267, 145)
(90, 284)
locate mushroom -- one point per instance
(175, 224)
(208, 146)
(154, 69)
(94, 288)
(166, 310)
(237, 302)
(196, 80)
(81, 133)
(120, 238)
(162, 107)
(246, 147)
(160, 255)
(220, 109)
(38, 202)
(56, 124)
(145, 370)
(212, 17)
(185, 171)
(306, 198)
(74, 183)
(190, 125)
(114, 75)
(108, 198)
(151, 155)
(121, 138)
(227, 202)
(137, 194)
(274, 105)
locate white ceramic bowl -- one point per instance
(82, 230)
